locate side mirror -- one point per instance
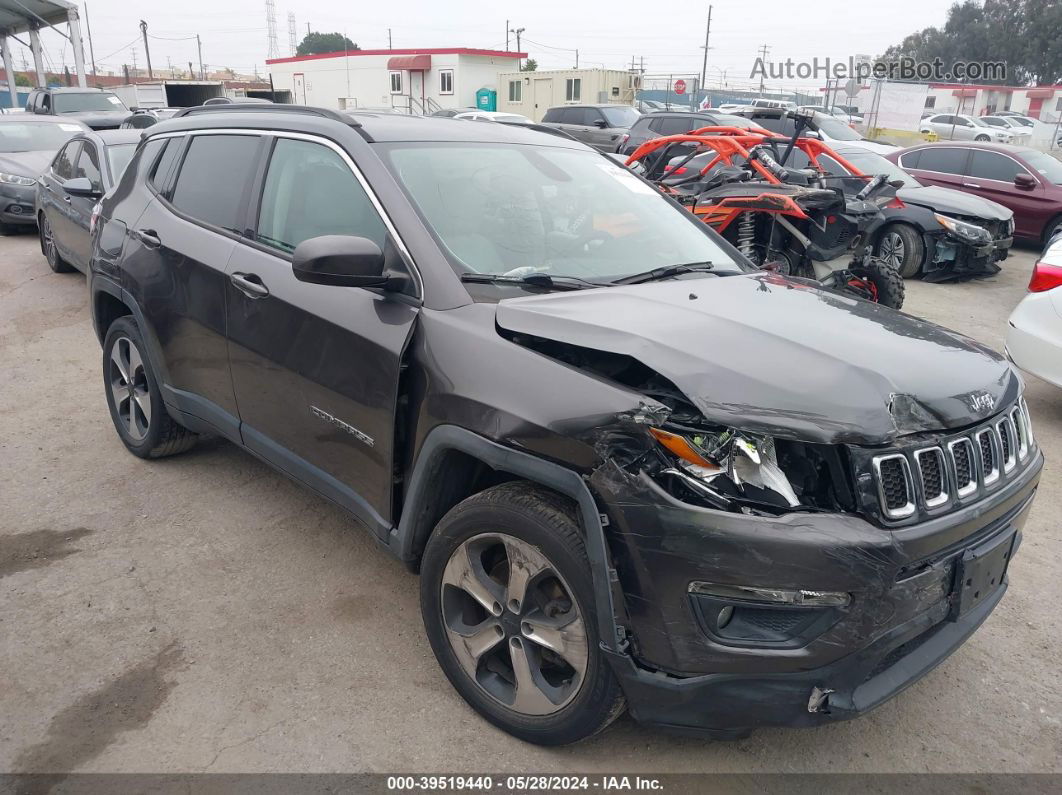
(81, 186)
(1024, 181)
(340, 261)
(601, 123)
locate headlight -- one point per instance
(970, 232)
(15, 179)
(731, 462)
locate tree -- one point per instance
(530, 65)
(1023, 33)
(22, 80)
(316, 43)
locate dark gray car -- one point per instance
(67, 190)
(27, 145)
(100, 110)
(600, 126)
(676, 123)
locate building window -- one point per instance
(396, 82)
(931, 102)
(516, 88)
(572, 89)
(446, 81)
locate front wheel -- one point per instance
(876, 280)
(901, 246)
(48, 248)
(981, 138)
(508, 608)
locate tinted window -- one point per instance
(214, 175)
(946, 159)
(554, 115)
(676, 125)
(63, 165)
(164, 165)
(310, 191)
(911, 159)
(1045, 165)
(989, 165)
(997, 122)
(88, 166)
(620, 116)
(118, 157)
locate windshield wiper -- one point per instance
(665, 272)
(531, 280)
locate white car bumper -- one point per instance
(1034, 335)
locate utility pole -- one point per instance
(307, 28)
(147, 51)
(199, 45)
(507, 35)
(519, 61)
(136, 72)
(576, 59)
(390, 46)
(88, 30)
(763, 56)
(704, 63)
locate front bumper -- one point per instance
(903, 619)
(17, 204)
(950, 257)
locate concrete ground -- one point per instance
(203, 613)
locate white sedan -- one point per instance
(494, 115)
(1034, 331)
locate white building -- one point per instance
(531, 94)
(416, 81)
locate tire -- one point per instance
(131, 387)
(886, 283)
(982, 138)
(1053, 229)
(48, 248)
(517, 527)
(902, 247)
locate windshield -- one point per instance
(36, 136)
(874, 164)
(119, 156)
(496, 208)
(89, 101)
(621, 116)
(1045, 165)
(835, 129)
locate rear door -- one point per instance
(54, 199)
(175, 263)
(937, 165)
(316, 367)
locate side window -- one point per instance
(63, 165)
(45, 103)
(911, 159)
(32, 98)
(214, 176)
(831, 166)
(592, 116)
(310, 191)
(88, 165)
(653, 124)
(554, 115)
(676, 125)
(989, 165)
(946, 159)
(163, 166)
(572, 116)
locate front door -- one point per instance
(316, 367)
(992, 174)
(87, 166)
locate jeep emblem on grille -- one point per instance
(981, 401)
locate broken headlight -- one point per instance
(729, 465)
(970, 232)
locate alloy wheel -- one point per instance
(48, 242)
(129, 388)
(513, 624)
(892, 250)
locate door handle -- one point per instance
(249, 284)
(66, 199)
(149, 237)
(970, 185)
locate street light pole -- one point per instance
(704, 63)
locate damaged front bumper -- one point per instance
(701, 661)
(951, 257)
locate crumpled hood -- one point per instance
(780, 356)
(954, 202)
(25, 164)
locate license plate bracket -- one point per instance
(980, 571)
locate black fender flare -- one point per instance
(406, 537)
(99, 283)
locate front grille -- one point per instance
(958, 467)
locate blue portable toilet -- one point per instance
(487, 99)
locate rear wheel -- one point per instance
(48, 249)
(1053, 229)
(901, 246)
(508, 608)
(878, 281)
(133, 396)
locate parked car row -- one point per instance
(666, 495)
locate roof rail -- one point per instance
(239, 107)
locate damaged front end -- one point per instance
(966, 247)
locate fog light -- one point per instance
(724, 617)
(754, 593)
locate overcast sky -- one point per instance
(606, 33)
